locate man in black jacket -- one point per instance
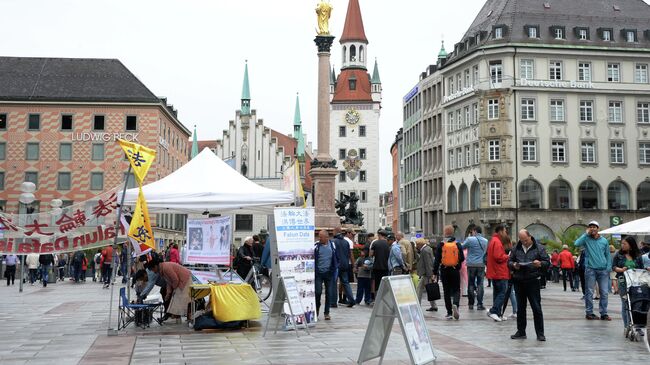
(529, 261)
(449, 257)
(46, 260)
(344, 258)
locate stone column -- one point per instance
(323, 168)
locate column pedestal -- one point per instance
(323, 192)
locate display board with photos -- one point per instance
(208, 241)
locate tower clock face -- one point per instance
(352, 117)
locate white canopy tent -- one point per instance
(206, 183)
(636, 227)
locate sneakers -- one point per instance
(432, 309)
(504, 318)
(327, 317)
(518, 336)
(513, 316)
(591, 316)
(480, 307)
(605, 317)
(494, 316)
(541, 338)
(449, 317)
(454, 309)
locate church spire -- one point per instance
(195, 144)
(353, 28)
(246, 94)
(297, 129)
(375, 75)
(442, 54)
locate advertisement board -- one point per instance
(208, 241)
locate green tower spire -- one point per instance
(297, 130)
(246, 94)
(195, 144)
(442, 54)
(375, 75)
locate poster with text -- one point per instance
(208, 241)
(410, 312)
(294, 229)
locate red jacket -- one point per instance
(555, 259)
(566, 260)
(174, 256)
(497, 260)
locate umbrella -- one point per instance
(636, 227)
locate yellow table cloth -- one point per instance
(234, 302)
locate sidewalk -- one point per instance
(66, 323)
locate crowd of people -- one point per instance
(517, 270)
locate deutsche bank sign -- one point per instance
(556, 84)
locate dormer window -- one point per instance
(532, 31)
(607, 35)
(558, 32)
(498, 32)
(352, 83)
(630, 36)
(582, 33)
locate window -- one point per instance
(3, 121)
(362, 131)
(586, 111)
(498, 33)
(3, 151)
(615, 112)
(97, 152)
(588, 152)
(530, 194)
(459, 119)
(641, 73)
(452, 88)
(475, 113)
(475, 74)
(607, 35)
(342, 131)
(528, 109)
(63, 181)
(468, 117)
(526, 69)
(459, 158)
(362, 175)
(558, 33)
(341, 176)
(555, 70)
(98, 123)
(529, 150)
(630, 36)
(65, 152)
(243, 222)
(450, 121)
(34, 122)
(559, 195)
(468, 82)
(493, 109)
(32, 151)
(583, 34)
(131, 123)
(558, 152)
(362, 153)
(495, 193)
(584, 71)
(532, 32)
(352, 84)
(494, 151)
(613, 72)
(96, 181)
(459, 82)
(496, 72)
(452, 161)
(66, 122)
(364, 196)
(644, 153)
(2, 183)
(643, 112)
(342, 153)
(476, 153)
(616, 153)
(557, 110)
(32, 177)
(618, 196)
(588, 194)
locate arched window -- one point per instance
(353, 53)
(345, 54)
(643, 196)
(463, 198)
(559, 195)
(541, 232)
(362, 56)
(618, 196)
(452, 202)
(588, 195)
(475, 201)
(530, 194)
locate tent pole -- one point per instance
(112, 331)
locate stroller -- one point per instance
(635, 292)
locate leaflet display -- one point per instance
(208, 241)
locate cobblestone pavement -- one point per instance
(66, 323)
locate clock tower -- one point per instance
(355, 104)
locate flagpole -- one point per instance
(112, 331)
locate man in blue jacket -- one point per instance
(597, 268)
(476, 246)
(325, 265)
(345, 264)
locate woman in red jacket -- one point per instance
(567, 264)
(174, 255)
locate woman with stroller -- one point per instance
(627, 258)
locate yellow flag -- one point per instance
(140, 157)
(299, 192)
(140, 228)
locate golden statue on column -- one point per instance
(324, 10)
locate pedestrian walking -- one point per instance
(476, 246)
(325, 265)
(60, 265)
(627, 258)
(97, 265)
(46, 261)
(395, 260)
(567, 265)
(380, 251)
(363, 269)
(528, 260)
(10, 268)
(555, 266)
(497, 271)
(84, 268)
(107, 265)
(598, 264)
(448, 259)
(425, 271)
(32, 265)
(345, 264)
(77, 261)
(408, 255)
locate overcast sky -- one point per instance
(193, 51)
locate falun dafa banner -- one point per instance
(140, 158)
(140, 228)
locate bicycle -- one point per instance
(259, 281)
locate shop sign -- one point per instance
(555, 84)
(103, 137)
(458, 94)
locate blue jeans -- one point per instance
(363, 290)
(624, 313)
(475, 277)
(593, 276)
(513, 299)
(327, 279)
(498, 295)
(344, 276)
(45, 270)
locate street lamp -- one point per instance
(26, 198)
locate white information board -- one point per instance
(208, 241)
(397, 299)
(285, 299)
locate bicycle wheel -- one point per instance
(264, 291)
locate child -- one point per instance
(363, 268)
(141, 280)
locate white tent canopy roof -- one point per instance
(206, 183)
(636, 227)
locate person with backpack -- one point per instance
(497, 271)
(449, 257)
(97, 265)
(107, 265)
(345, 264)
(46, 261)
(476, 246)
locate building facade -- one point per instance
(396, 162)
(354, 116)
(59, 122)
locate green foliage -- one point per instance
(568, 237)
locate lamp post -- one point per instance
(26, 197)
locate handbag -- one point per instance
(433, 291)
